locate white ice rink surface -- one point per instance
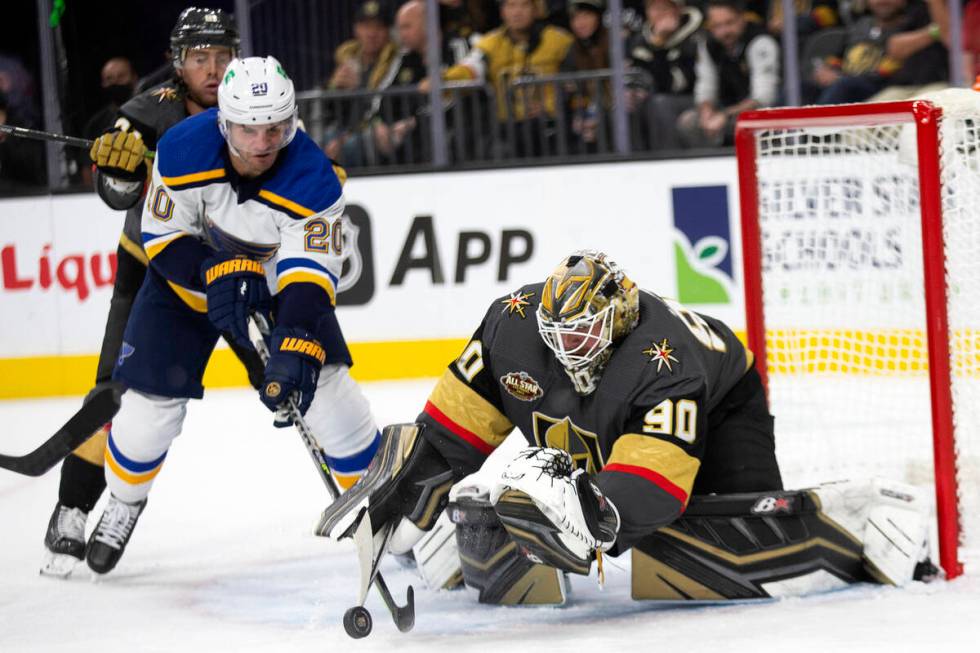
(223, 560)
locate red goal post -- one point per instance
(847, 272)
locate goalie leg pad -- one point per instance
(890, 518)
(407, 483)
(437, 557)
(491, 563)
(746, 546)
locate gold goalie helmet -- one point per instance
(587, 305)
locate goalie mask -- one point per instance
(587, 305)
(256, 106)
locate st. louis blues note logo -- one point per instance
(661, 353)
(521, 385)
(125, 351)
(517, 303)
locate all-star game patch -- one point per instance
(661, 353)
(516, 303)
(521, 385)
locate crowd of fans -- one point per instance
(692, 66)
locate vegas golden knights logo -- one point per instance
(563, 434)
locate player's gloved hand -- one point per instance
(236, 288)
(541, 493)
(295, 361)
(121, 154)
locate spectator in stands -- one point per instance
(665, 48)
(397, 117)
(21, 160)
(468, 18)
(920, 48)
(866, 65)
(17, 84)
(118, 84)
(360, 63)
(589, 51)
(118, 80)
(521, 49)
(737, 69)
(811, 16)
(971, 40)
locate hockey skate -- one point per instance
(64, 541)
(108, 540)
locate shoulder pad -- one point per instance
(305, 184)
(190, 153)
(155, 111)
(522, 303)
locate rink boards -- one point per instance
(427, 254)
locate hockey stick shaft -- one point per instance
(258, 329)
(96, 412)
(37, 135)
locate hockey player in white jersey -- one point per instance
(243, 216)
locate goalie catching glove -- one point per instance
(554, 512)
(120, 154)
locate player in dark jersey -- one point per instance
(631, 405)
(202, 43)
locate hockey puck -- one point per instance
(357, 622)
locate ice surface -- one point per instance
(223, 560)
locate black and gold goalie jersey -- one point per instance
(642, 432)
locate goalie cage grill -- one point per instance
(861, 249)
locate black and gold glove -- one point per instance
(120, 154)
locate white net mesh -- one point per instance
(844, 299)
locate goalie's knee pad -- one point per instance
(746, 546)
(890, 518)
(490, 561)
(138, 442)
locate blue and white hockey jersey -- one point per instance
(289, 218)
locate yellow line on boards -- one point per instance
(49, 376)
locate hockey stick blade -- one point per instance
(404, 616)
(96, 412)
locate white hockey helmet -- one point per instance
(256, 91)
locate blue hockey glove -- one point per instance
(236, 288)
(295, 360)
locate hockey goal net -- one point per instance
(861, 243)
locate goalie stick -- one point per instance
(357, 620)
(96, 412)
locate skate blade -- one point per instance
(58, 565)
